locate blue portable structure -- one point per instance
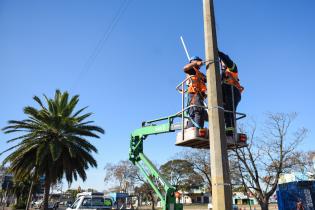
(115, 196)
(120, 199)
(293, 194)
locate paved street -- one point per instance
(187, 207)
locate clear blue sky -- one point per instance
(45, 45)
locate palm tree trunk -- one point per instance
(29, 196)
(46, 193)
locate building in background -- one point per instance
(6, 183)
(239, 198)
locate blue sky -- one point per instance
(131, 76)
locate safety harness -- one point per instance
(196, 86)
(231, 78)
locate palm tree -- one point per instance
(52, 141)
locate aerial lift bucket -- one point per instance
(199, 137)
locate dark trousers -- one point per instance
(228, 91)
(197, 114)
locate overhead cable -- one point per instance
(98, 48)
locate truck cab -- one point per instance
(89, 201)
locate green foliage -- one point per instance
(52, 140)
(181, 174)
(72, 192)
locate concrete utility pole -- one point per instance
(221, 184)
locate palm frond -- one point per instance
(83, 117)
(55, 151)
(39, 102)
(64, 99)
(31, 111)
(78, 112)
(11, 148)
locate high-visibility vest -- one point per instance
(231, 78)
(197, 83)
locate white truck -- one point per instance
(90, 201)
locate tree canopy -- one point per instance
(52, 141)
(268, 155)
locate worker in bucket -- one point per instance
(196, 92)
(231, 91)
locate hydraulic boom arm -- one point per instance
(150, 172)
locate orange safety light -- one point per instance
(202, 132)
(242, 137)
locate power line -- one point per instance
(89, 62)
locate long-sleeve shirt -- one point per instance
(228, 62)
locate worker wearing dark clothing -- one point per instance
(231, 91)
(197, 114)
(196, 93)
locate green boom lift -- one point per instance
(191, 137)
